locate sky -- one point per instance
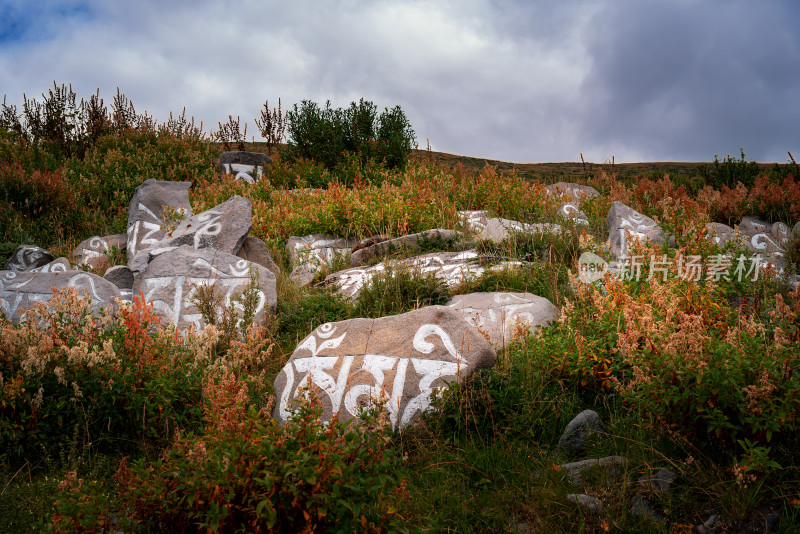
(514, 80)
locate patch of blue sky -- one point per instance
(24, 22)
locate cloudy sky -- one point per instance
(525, 81)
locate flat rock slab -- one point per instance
(315, 250)
(497, 229)
(155, 204)
(247, 166)
(575, 192)
(451, 268)
(411, 241)
(625, 223)
(403, 357)
(28, 257)
(498, 314)
(171, 280)
(574, 470)
(93, 252)
(20, 290)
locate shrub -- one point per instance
(398, 289)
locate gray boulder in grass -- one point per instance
(28, 257)
(365, 254)
(171, 280)
(626, 224)
(248, 166)
(575, 192)
(153, 204)
(403, 357)
(19, 291)
(573, 440)
(255, 250)
(94, 251)
(498, 314)
(223, 227)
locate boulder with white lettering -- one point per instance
(412, 241)
(28, 257)
(626, 224)
(155, 205)
(403, 359)
(171, 281)
(223, 227)
(255, 250)
(248, 166)
(575, 192)
(501, 315)
(20, 290)
(94, 252)
(55, 266)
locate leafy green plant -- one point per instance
(397, 290)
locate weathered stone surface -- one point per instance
(20, 290)
(575, 192)
(497, 314)
(154, 204)
(93, 252)
(574, 470)
(55, 266)
(405, 357)
(587, 502)
(317, 249)
(625, 223)
(369, 241)
(641, 507)
(121, 276)
(223, 227)
(571, 210)
(498, 229)
(660, 481)
(143, 258)
(28, 257)
(248, 166)
(255, 250)
(720, 233)
(759, 238)
(171, 280)
(365, 254)
(450, 267)
(302, 276)
(584, 424)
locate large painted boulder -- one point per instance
(625, 223)
(571, 210)
(57, 265)
(255, 250)
(172, 279)
(20, 290)
(155, 204)
(93, 252)
(247, 166)
(575, 192)
(498, 315)
(412, 241)
(403, 358)
(27, 257)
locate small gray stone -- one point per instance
(574, 469)
(28, 257)
(571, 210)
(660, 481)
(302, 276)
(573, 440)
(317, 250)
(720, 233)
(641, 508)
(248, 166)
(587, 502)
(255, 250)
(771, 521)
(121, 276)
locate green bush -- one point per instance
(398, 290)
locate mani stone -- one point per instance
(120, 276)
(498, 315)
(573, 440)
(171, 280)
(625, 223)
(497, 229)
(20, 290)
(28, 257)
(255, 250)
(403, 359)
(93, 252)
(365, 254)
(451, 268)
(571, 210)
(247, 166)
(223, 227)
(155, 204)
(57, 265)
(575, 192)
(720, 233)
(759, 237)
(314, 251)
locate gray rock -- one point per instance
(55, 266)
(571, 210)
(369, 241)
(575, 192)
(171, 280)
(625, 223)
(411, 241)
(404, 357)
(93, 252)
(720, 233)
(586, 423)
(255, 250)
(660, 481)
(28, 257)
(759, 238)
(248, 166)
(223, 227)
(771, 521)
(587, 502)
(121, 276)
(497, 229)
(498, 314)
(155, 206)
(302, 276)
(20, 290)
(143, 258)
(574, 470)
(641, 508)
(314, 251)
